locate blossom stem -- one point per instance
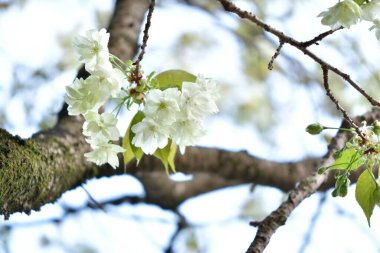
(343, 129)
(118, 63)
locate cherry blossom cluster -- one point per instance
(171, 112)
(175, 114)
(349, 12)
(86, 96)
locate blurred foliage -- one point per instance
(190, 240)
(79, 247)
(5, 4)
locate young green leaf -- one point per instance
(348, 159)
(132, 151)
(174, 79)
(365, 193)
(359, 2)
(322, 170)
(167, 155)
(171, 156)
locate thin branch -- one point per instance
(68, 210)
(304, 189)
(229, 6)
(319, 38)
(145, 39)
(181, 224)
(335, 101)
(276, 54)
(96, 203)
(278, 217)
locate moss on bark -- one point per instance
(21, 173)
(37, 171)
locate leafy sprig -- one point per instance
(356, 153)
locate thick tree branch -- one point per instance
(38, 171)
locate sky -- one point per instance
(32, 41)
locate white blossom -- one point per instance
(208, 86)
(371, 10)
(110, 80)
(345, 13)
(104, 152)
(92, 49)
(149, 135)
(198, 100)
(101, 125)
(83, 96)
(187, 133)
(162, 105)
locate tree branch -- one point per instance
(306, 187)
(302, 46)
(37, 171)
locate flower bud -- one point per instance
(315, 128)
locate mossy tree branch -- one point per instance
(37, 171)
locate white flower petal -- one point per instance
(150, 135)
(92, 49)
(345, 13)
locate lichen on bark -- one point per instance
(21, 173)
(37, 171)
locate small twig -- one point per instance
(181, 224)
(319, 37)
(68, 210)
(336, 102)
(96, 203)
(145, 39)
(276, 54)
(255, 223)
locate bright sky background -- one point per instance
(32, 41)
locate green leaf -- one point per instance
(174, 79)
(359, 2)
(365, 193)
(322, 170)
(167, 155)
(341, 185)
(132, 151)
(376, 196)
(348, 159)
